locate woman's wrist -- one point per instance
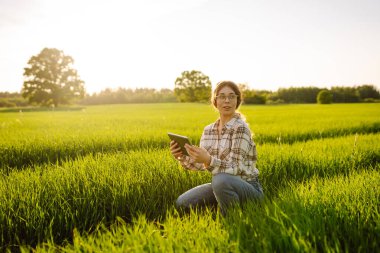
(208, 162)
(181, 158)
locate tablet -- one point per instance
(181, 140)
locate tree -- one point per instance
(368, 91)
(49, 79)
(324, 97)
(124, 96)
(345, 94)
(298, 94)
(192, 86)
(254, 97)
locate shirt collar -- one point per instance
(230, 123)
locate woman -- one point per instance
(227, 151)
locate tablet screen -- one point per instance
(181, 140)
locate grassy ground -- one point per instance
(102, 179)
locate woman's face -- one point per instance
(226, 101)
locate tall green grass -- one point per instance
(281, 163)
(337, 214)
(193, 233)
(103, 179)
(49, 201)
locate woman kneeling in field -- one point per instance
(227, 151)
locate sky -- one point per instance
(266, 44)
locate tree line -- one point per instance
(292, 95)
(50, 80)
(129, 96)
(308, 95)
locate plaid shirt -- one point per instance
(233, 152)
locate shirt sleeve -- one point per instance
(188, 163)
(234, 160)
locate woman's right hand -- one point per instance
(175, 150)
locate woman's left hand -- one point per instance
(200, 155)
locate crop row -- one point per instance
(34, 138)
(48, 201)
(32, 151)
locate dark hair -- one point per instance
(223, 84)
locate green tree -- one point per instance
(345, 94)
(368, 91)
(125, 96)
(254, 97)
(324, 97)
(192, 86)
(50, 79)
(298, 94)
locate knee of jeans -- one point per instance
(180, 203)
(220, 182)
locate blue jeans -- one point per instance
(225, 189)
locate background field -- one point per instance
(102, 178)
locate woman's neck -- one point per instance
(224, 119)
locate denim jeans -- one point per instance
(225, 189)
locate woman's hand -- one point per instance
(200, 155)
(176, 150)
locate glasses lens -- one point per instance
(224, 97)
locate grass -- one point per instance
(308, 217)
(335, 214)
(47, 137)
(103, 179)
(49, 201)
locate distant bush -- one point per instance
(255, 99)
(371, 100)
(324, 97)
(13, 102)
(275, 102)
(5, 103)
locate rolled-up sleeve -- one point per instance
(188, 163)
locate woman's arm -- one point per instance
(187, 162)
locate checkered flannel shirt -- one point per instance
(233, 152)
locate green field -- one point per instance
(102, 179)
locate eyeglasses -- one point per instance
(224, 97)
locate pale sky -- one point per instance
(266, 44)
